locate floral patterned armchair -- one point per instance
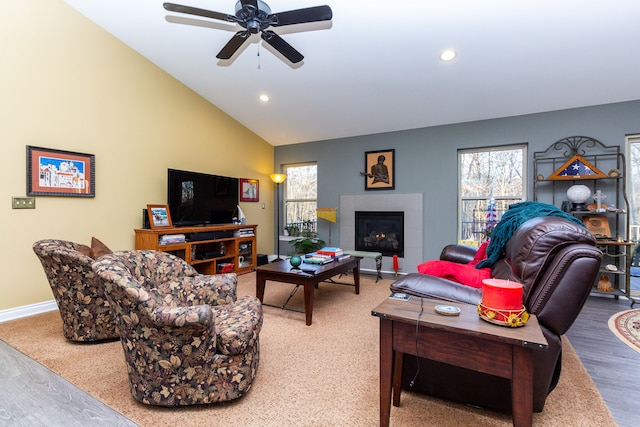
(79, 293)
(187, 338)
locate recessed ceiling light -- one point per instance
(448, 55)
(264, 98)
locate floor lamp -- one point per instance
(278, 178)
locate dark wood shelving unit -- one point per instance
(609, 161)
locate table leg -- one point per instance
(386, 368)
(522, 387)
(308, 301)
(260, 283)
(398, 360)
(356, 278)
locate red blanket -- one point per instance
(466, 274)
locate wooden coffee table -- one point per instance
(308, 275)
(497, 350)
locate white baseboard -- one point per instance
(27, 310)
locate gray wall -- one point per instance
(426, 159)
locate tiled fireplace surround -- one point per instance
(412, 206)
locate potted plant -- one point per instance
(307, 241)
(292, 230)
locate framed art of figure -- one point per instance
(159, 216)
(249, 190)
(379, 170)
(60, 173)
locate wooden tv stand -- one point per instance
(207, 248)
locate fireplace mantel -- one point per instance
(412, 206)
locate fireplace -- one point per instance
(380, 232)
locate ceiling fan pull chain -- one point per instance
(258, 55)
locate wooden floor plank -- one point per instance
(32, 395)
(614, 367)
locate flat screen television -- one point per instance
(199, 199)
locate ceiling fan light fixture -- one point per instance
(448, 55)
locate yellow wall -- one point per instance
(67, 84)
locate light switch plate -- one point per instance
(23, 202)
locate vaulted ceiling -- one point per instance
(375, 66)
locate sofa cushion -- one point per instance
(83, 249)
(98, 249)
(95, 251)
(426, 286)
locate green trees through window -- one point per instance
(488, 177)
(301, 195)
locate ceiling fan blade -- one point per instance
(172, 7)
(301, 16)
(282, 46)
(233, 45)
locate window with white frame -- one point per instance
(301, 195)
(489, 180)
(633, 187)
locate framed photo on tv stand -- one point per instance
(159, 216)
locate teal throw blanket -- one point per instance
(514, 217)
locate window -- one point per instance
(301, 194)
(489, 180)
(633, 186)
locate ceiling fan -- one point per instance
(255, 16)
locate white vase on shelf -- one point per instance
(578, 194)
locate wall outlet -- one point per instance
(23, 202)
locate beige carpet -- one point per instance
(325, 374)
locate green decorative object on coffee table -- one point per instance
(295, 261)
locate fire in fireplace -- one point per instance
(380, 232)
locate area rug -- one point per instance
(626, 326)
(322, 375)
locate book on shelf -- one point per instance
(332, 251)
(167, 239)
(244, 232)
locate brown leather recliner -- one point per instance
(557, 262)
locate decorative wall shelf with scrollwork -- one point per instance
(586, 161)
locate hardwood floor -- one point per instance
(31, 395)
(614, 367)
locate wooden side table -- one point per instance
(413, 327)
